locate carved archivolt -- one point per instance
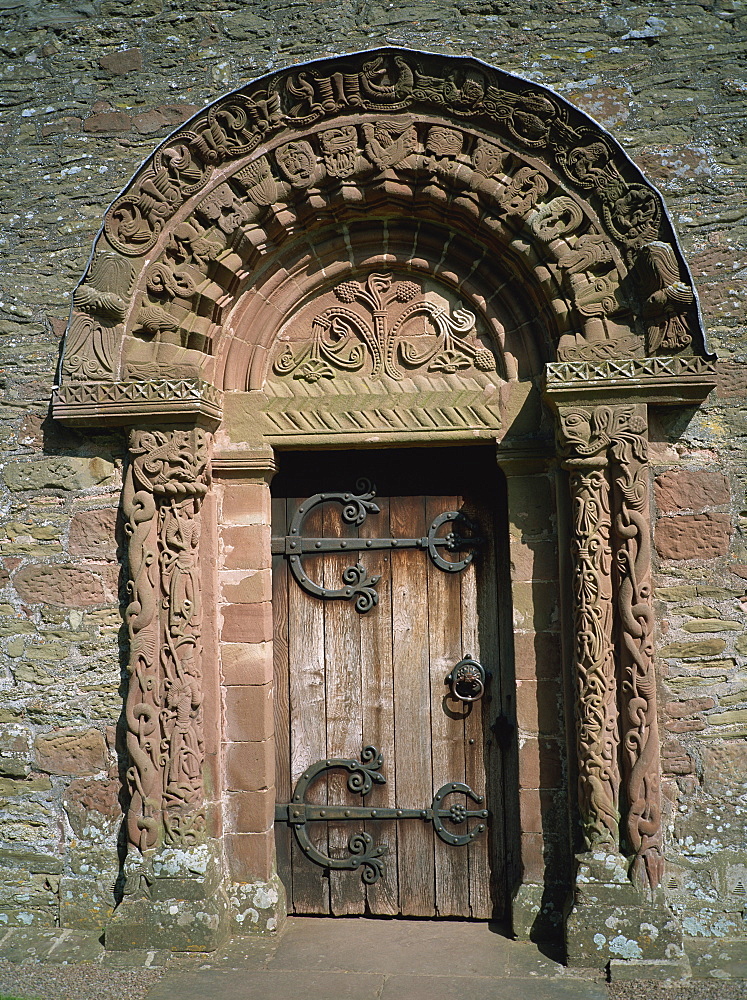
(164, 487)
(599, 443)
(508, 163)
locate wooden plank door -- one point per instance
(346, 680)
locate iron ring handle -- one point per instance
(467, 680)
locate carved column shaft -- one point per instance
(594, 661)
(601, 445)
(641, 762)
(164, 486)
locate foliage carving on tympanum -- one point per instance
(344, 339)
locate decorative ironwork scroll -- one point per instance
(164, 486)
(363, 853)
(597, 441)
(357, 584)
(342, 338)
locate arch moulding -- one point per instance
(390, 247)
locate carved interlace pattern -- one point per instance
(164, 487)
(594, 658)
(634, 599)
(345, 339)
(595, 439)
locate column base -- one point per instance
(182, 905)
(257, 908)
(537, 912)
(611, 920)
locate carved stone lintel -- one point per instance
(606, 443)
(164, 486)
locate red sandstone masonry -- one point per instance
(247, 622)
(690, 489)
(246, 662)
(246, 547)
(245, 503)
(249, 712)
(250, 812)
(250, 856)
(693, 536)
(250, 767)
(540, 763)
(681, 709)
(537, 707)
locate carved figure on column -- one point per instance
(629, 452)
(597, 729)
(600, 439)
(164, 487)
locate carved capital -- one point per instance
(164, 486)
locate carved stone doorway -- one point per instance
(389, 249)
(346, 679)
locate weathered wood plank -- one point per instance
(447, 718)
(308, 721)
(378, 708)
(342, 652)
(412, 699)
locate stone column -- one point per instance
(642, 769)
(169, 857)
(604, 448)
(585, 456)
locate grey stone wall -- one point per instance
(88, 89)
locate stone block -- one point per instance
(15, 751)
(690, 489)
(71, 751)
(675, 594)
(108, 121)
(246, 503)
(246, 662)
(250, 767)
(531, 505)
(250, 856)
(246, 547)
(657, 969)
(66, 586)
(681, 709)
(250, 812)
(257, 907)
(537, 912)
(93, 803)
(57, 473)
(540, 763)
(725, 766)
(728, 718)
(122, 61)
(54, 945)
(684, 726)
(538, 708)
(693, 536)
(31, 861)
(247, 622)
(93, 534)
(741, 644)
(703, 647)
(249, 713)
(537, 655)
(85, 904)
(242, 587)
(192, 926)
(535, 606)
(711, 625)
(535, 559)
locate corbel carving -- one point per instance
(164, 486)
(602, 443)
